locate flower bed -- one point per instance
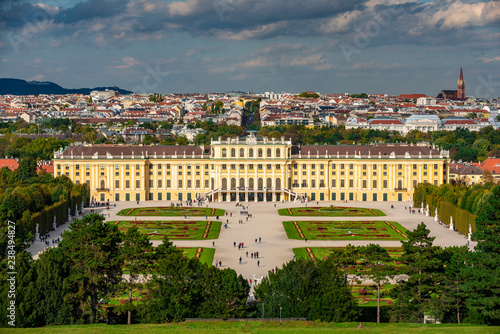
(171, 211)
(329, 212)
(341, 230)
(185, 230)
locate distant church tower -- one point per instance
(461, 86)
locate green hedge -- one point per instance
(440, 197)
(45, 218)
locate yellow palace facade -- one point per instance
(253, 169)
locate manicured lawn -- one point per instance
(204, 255)
(337, 211)
(268, 327)
(175, 230)
(322, 253)
(171, 211)
(344, 230)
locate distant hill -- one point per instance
(23, 87)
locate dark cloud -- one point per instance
(91, 9)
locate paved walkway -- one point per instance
(275, 248)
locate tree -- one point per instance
(93, 250)
(424, 269)
(303, 288)
(332, 298)
(175, 289)
(483, 272)
(378, 268)
(451, 299)
(137, 253)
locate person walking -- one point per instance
(258, 263)
(247, 253)
(240, 259)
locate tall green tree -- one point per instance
(378, 266)
(27, 169)
(175, 289)
(424, 271)
(137, 253)
(303, 288)
(93, 250)
(482, 283)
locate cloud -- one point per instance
(128, 62)
(488, 60)
(38, 77)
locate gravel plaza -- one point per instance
(265, 225)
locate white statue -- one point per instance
(436, 217)
(469, 236)
(54, 224)
(36, 228)
(451, 223)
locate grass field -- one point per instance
(204, 255)
(267, 327)
(344, 230)
(174, 230)
(337, 211)
(322, 253)
(171, 211)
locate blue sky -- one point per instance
(329, 46)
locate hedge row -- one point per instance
(59, 210)
(461, 218)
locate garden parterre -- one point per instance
(174, 230)
(332, 211)
(172, 211)
(344, 230)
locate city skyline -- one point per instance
(375, 46)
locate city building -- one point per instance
(458, 94)
(253, 169)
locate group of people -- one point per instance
(45, 239)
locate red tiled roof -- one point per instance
(12, 164)
(492, 165)
(385, 121)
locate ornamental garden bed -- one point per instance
(174, 230)
(321, 253)
(366, 295)
(171, 211)
(344, 230)
(336, 211)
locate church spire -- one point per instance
(461, 85)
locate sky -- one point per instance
(201, 46)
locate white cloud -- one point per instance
(488, 60)
(38, 77)
(128, 62)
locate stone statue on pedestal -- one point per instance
(451, 223)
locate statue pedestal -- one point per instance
(427, 213)
(436, 218)
(37, 236)
(54, 226)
